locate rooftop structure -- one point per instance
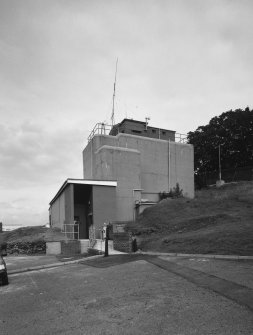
(138, 128)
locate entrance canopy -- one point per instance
(81, 204)
(112, 183)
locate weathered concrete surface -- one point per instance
(133, 298)
(162, 163)
(123, 165)
(137, 162)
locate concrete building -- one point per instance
(123, 173)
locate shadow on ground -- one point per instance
(106, 262)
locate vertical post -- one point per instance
(169, 168)
(146, 126)
(106, 240)
(219, 165)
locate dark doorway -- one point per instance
(83, 208)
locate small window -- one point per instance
(153, 131)
(136, 131)
(164, 132)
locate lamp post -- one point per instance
(219, 165)
(219, 182)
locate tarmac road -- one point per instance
(131, 298)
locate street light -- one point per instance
(219, 165)
(220, 182)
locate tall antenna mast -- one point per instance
(114, 90)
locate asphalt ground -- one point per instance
(230, 288)
(239, 271)
(18, 263)
(231, 278)
(133, 296)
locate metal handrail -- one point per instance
(73, 230)
(104, 129)
(180, 138)
(100, 128)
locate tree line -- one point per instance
(231, 135)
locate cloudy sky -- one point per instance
(179, 63)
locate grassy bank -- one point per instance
(30, 240)
(217, 221)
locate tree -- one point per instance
(233, 132)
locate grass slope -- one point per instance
(31, 234)
(217, 221)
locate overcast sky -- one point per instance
(180, 63)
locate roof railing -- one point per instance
(104, 129)
(101, 129)
(180, 138)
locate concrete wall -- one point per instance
(69, 204)
(103, 205)
(137, 162)
(182, 167)
(62, 209)
(156, 156)
(153, 160)
(89, 153)
(53, 248)
(57, 212)
(124, 165)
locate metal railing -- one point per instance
(180, 138)
(71, 231)
(100, 128)
(95, 236)
(104, 129)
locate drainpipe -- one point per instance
(169, 168)
(91, 161)
(135, 190)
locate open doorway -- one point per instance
(82, 210)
